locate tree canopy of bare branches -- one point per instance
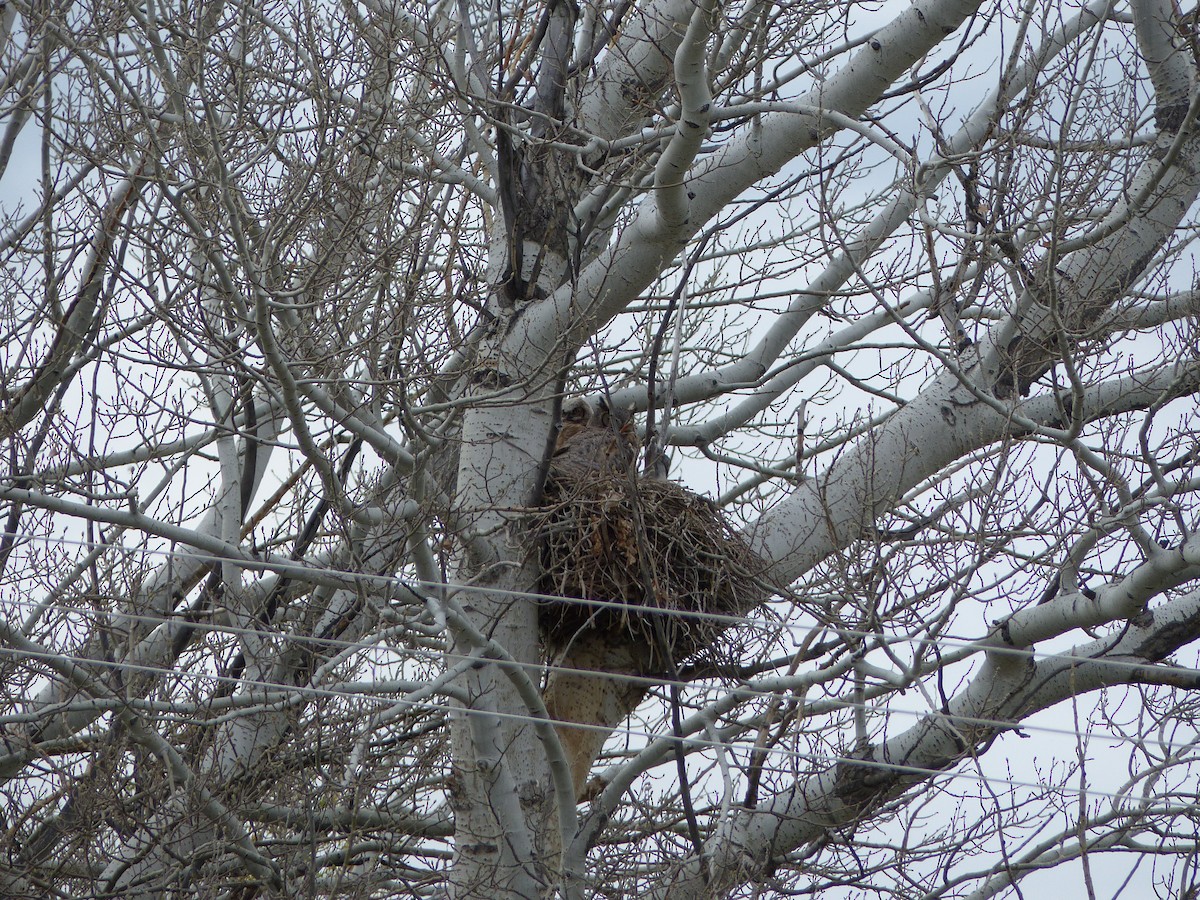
(311, 311)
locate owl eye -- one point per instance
(618, 418)
(576, 411)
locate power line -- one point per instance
(694, 741)
(939, 641)
(277, 693)
(434, 656)
(416, 587)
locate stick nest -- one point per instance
(659, 551)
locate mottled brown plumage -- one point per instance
(593, 443)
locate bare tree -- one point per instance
(313, 311)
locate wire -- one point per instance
(939, 641)
(535, 668)
(277, 693)
(415, 588)
(708, 743)
(298, 569)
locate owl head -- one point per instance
(581, 412)
(595, 439)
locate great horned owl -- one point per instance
(595, 442)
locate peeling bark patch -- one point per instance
(455, 789)
(1170, 118)
(862, 786)
(491, 378)
(1139, 265)
(1167, 638)
(1006, 632)
(1068, 405)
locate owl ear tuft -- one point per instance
(618, 418)
(577, 411)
